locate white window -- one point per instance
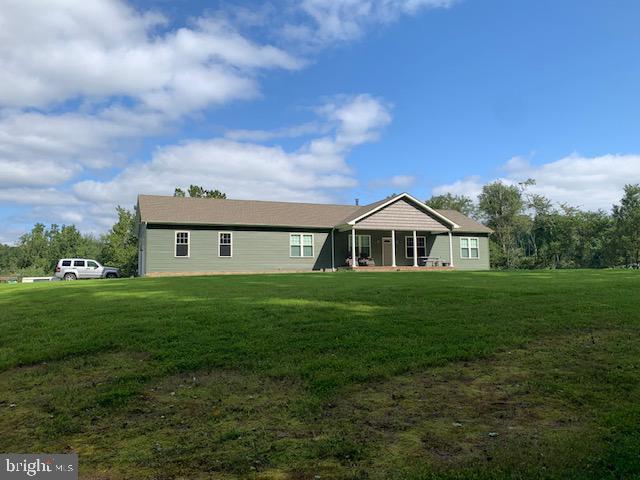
(363, 246)
(469, 248)
(225, 244)
(182, 244)
(422, 246)
(301, 244)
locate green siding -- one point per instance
(481, 263)
(439, 247)
(268, 250)
(253, 251)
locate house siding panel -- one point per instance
(253, 251)
(481, 263)
(439, 247)
(401, 215)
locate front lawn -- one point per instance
(346, 375)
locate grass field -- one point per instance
(348, 375)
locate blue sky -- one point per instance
(317, 100)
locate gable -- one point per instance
(402, 215)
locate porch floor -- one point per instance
(380, 268)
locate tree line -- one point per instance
(38, 251)
(529, 232)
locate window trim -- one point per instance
(358, 246)
(175, 243)
(230, 244)
(313, 245)
(477, 239)
(406, 246)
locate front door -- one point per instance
(386, 251)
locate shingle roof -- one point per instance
(186, 210)
(466, 224)
(362, 210)
(208, 211)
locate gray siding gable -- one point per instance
(402, 215)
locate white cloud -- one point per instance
(83, 84)
(43, 197)
(468, 186)
(590, 183)
(587, 182)
(250, 170)
(130, 77)
(70, 48)
(402, 181)
(343, 20)
(37, 149)
(101, 52)
(294, 131)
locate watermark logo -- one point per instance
(16, 466)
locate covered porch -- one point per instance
(396, 232)
(385, 250)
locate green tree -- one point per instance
(626, 218)
(196, 191)
(449, 201)
(501, 206)
(34, 249)
(39, 250)
(9, 257)
(67, 241)
(120, 244)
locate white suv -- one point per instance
(80, 268)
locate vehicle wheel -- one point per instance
(112, 275)
(70, 276)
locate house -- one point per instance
(179, 235)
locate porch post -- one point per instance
(354, 260)
(415, 248)
(393, 248)
(333, 252)
(450, 249)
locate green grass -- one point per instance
(350, 375)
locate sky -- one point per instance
(313, 100)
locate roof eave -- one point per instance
(225, 224)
